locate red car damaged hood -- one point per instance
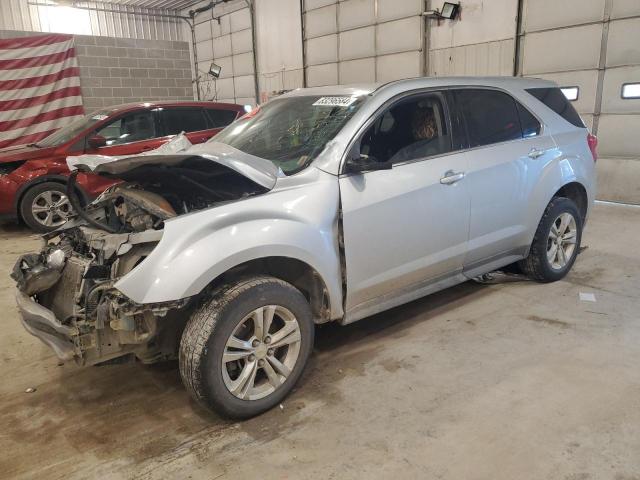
(24, 152)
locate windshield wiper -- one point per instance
(33, 145)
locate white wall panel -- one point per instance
(580, 49)
(356, 43)
(227, 66)
(482, 21)
(222, 46)
(320, 22)
(623, 46)
(311, 4)
(322, 74)
(204, 50)
(322, 49)
(618, 135)
(586, 81)
(357, 71)
(625, 8)
(545, 14)
(241, 42)
(399, 36)
(356, 13)
(243, 64)
(245, 86)
(240, 20)
(618, 179)
(203, 31)
(393, 9)
(612, 101)
(398, 66)
(225, 88)
(492, 58)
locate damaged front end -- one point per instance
(66, 293)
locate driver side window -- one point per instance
(134, 127)
(413, 128)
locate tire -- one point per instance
(45, 195)
(538, 265)
(210, 380)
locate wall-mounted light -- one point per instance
(449, 11)
(215, 70)
(630, 90)
(571, 93)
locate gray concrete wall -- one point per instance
(122, 70)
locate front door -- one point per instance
(407, 227)
(132, 133)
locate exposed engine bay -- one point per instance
(66, 292)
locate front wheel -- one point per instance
(243, 351)
(45, 206)
(556, 242)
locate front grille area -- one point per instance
(60, 298)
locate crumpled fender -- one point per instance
(297, 219)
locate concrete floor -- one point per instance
(514, 380)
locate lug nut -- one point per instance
(252, 358)
(260, 363)
(255, 343)
(267, 340)
(270, 352)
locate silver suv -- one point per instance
(325, 204)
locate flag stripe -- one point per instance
(26, 139)
(24, 42)
(19, 63)
(41, 90)
(50, 115)
(39, 81)
(30, 102)
(39, 87)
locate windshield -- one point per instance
(291, 131)
(69, 132)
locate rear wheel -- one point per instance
(45, 206)
(556, 242)
(243, 351)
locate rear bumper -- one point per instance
(43, 324)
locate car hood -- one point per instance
(259, 170)
(24, 152)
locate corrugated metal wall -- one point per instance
(354, 41)
(224, 36)
(130, 23)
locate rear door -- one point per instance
(191, 120)
(507, 150)
(128, 134)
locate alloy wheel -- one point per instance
(51, 208)
(561, 243)
(261, 352)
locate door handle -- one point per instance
(535, 153)
(451, 177)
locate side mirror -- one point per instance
(366, 163)
(97, 141)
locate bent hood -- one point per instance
(259, 170)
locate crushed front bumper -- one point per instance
(43, 324)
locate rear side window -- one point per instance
(220, 118)
(530, 124)
(176, 120)
(490, 116)
(557, 101)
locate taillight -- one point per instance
(592, 140)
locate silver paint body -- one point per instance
(406, 233)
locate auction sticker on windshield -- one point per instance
(334, 101)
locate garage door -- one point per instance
(354, 41)
(225, 38)
(598, 41)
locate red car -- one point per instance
(33, 177)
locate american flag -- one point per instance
(39, 87)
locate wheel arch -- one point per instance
(291, 270)
(61, 179)
(576, 192)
